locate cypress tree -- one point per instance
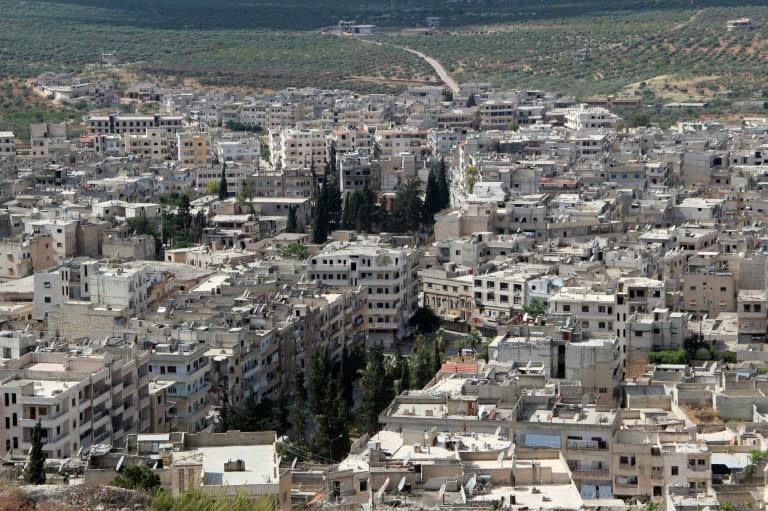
(293, 222)
(34, 472)
(437, 362)
(318, 382)
(297, 418)
(444, 192)
(375, 394)
(223, 193)
(346, 378)
(320, 216)
(432, 198)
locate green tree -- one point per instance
(34, 472)
(436, 359)
(432, 199)
(211, 188)
(346, 377)
(333, 204)
(320, 216)
(422, 363)
(444, 191)
(535, 308)
(404, 383)
(296, 250)
(375, 393)
(471, 101)
(470, 178)
(319, 376)
(223, 192)
(425, 320)
(407, 208)
(297, 418)
(137, 477)
(293, 221)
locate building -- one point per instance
(136, 124)
(7, 144)
(192, 148)
(388, 273)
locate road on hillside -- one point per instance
(438, 67)
(446, 78)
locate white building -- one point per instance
(389, 274)
(7, 144)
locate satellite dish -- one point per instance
(500, 459)
(120, 464)
(401, 484)
(407, 458)
(87, 350)
(293, 465)
(442, 491)
(498, 431)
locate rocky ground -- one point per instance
(72, 498)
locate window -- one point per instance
(585, 308)
(566, 308)
(585, 324)
(674, 470)
(47, 285)
(47, 299)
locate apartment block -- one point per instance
(136, 124)
(388, 273)
(7, 144)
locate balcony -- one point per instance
(587, 444)
(582, 471)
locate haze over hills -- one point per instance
(308, 14)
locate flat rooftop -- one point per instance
(259, 465)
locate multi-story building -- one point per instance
(245, 150)
(498, 115)
(153, 143)
(185, 364)
(192, 148)
(80, 400)
(388, 273)
(120, 124)
(21, 256)
(7, 144)
(47, 138)
(301, 148)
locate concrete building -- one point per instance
(136, 124)
(388, 273)
(7, 144)
(47, 138)
(192, 148)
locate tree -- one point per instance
(425, 320)
(320, 216)
(346, 377)
(405, 375)
(319, 376)
(436, 360)
(471, 100)
(211, 188)
(223, 193)
(470, 178)
(297, 417)
(407, 208)
(535, 308)
(293, 221)
(137, 477)
(432, 199)
(34, 472)
(375, 393)
(333, 204)
(422, 369)
(444, 191)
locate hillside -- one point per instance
(580, 47)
